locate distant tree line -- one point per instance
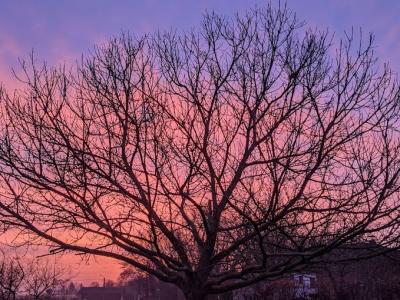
(32, 278)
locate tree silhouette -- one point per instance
(11, 277)
(42, 276)
(214, 159)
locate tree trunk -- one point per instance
(195, 295)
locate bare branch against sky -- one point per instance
(241, 151)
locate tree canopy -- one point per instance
(241, 151)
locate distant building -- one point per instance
(305, 285)
(103, 293)
(340, 274)
(63, 292)
(146, 288)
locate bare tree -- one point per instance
(11, 277)
(43, 276)
(175, 153)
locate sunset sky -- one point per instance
(63, 30)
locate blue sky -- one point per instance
(61, 30)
